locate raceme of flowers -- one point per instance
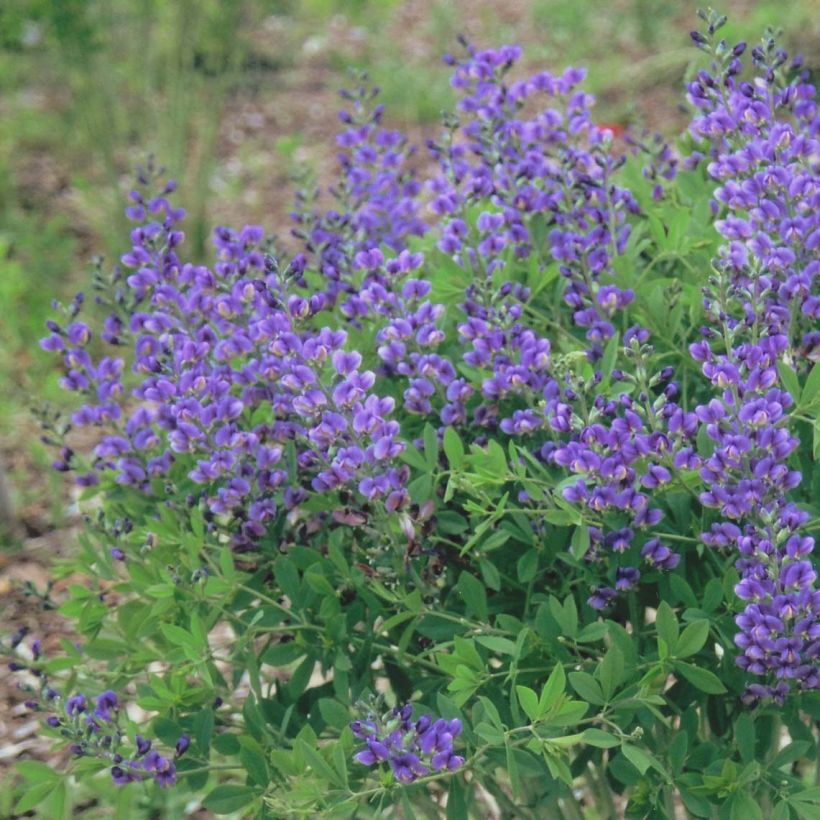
(92, 726)
(209, 349)
(412, 748)
(243, 378)
(763, 149)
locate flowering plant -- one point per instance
(495, 495)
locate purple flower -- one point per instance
(602, 597)
(75, 705)
(182, 745)
(659, 555)
(105, 703)
(411, 748)
(143, 745)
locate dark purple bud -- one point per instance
(18, 636)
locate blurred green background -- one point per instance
(233, 96)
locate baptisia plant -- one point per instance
(493, 496)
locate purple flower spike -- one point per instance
(411, 748)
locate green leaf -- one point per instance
(742, 806)
(421, 488)
(600, 739)
(36, 772)
(527, 566)
(229, 798)
(490, 574)
(815, 447)
(504, 646)
(552, 690)
(637, 757)
(396, 620)
(410, 455)
(580, 542)
(493, 460)
(565, 614)
(789, 379)
(453, 448)
(789, 754)
(745, 736)
(666, 625)
(592, 632)
(566, 741)
(160, 591)
(781, 811)
(697, 805)
(811, 389)
(559, 769)
(340, 762)
(227, 744)
(495, 540)
(529, 702)
(316, 762)
(490, 711)
(253, 759)
(204, 728)
(491, 734)
(560, 518)
(300, 678)
(33, 797)
(692, 639)
(456, 800)
(569, 714)
(406, 806)
(587, 688)
(57, 804)
(610, 354)
(177, 635)
(808, 797)
(512, 769)
(287, 576)
(474, 595)
(466, 651)
(611, 671)
(251, 714)
(678, 747)
(334, 713)
(227, 565)
(430, 447)
(712, 596)
(701, 679)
